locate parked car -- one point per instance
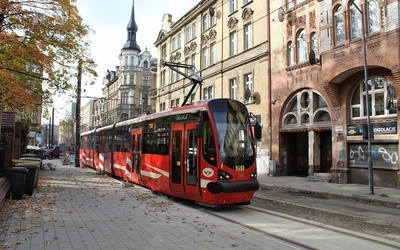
(52, 152)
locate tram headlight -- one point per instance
(222, 175)
(254, 174)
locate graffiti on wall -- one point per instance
(383, 155)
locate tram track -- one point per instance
(299, 233)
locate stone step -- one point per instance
(319, 178)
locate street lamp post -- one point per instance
(370, 166)
(78, 115)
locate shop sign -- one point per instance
(381, 128)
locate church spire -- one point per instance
(132, 29)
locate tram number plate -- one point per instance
(240, 167)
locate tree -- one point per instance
(41, 42)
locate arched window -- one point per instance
(374, 21)
(378, 89)
(339, 25)
(289, 54)
(313, 43)
(124, 117)
(306, 108)
(146, 64)
(302, 46)
(355, 20)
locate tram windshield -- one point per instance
(233, 129)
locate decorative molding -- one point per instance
(313, 20)
(204, 38)
(232, 22)
(193, 46)
(247, 14)
(213, 34)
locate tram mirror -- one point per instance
(199, 131)
(257, 131)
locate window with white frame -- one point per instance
(163, 50)
(205, 22)
(172, 103)
(187, 62)
(194, 30)
(247, 1)
(374, 22)
(212, 54)
(177, 102)
(232, 6)
(162, 106)
(178, 41)
(173, 44)
(355, 20)
(233, 88)
(145, 80)
(248, 87)
(290, 53)
(194, 60)
(132, 61)
(172, 76)
(339, 25)
(187, 35)
(232, 43)
(131, 79)
(208, 93)
(125, 79)
(124, 98)
(248, 36)
(378, 87)
(162, 80)
(302, 46)
(213, 20)
(126, 61)
(204, 59)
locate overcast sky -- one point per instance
(109, 19)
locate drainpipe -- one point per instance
(269, 80)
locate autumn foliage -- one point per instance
(41, 42)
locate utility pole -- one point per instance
(78, 115)
(369, 134)
(52, 128)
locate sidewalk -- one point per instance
(363, 192)
(79, 208)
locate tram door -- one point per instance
(136, 141)
(184, 170)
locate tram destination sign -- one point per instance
(381, 128)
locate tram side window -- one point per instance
(156, 137)
(121, 142)
(108, 141)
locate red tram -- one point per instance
(203, 152)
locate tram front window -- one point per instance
(234, 138)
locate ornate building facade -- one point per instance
(127, 90)
(227, 42)
(299, 66)
(318, 74)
